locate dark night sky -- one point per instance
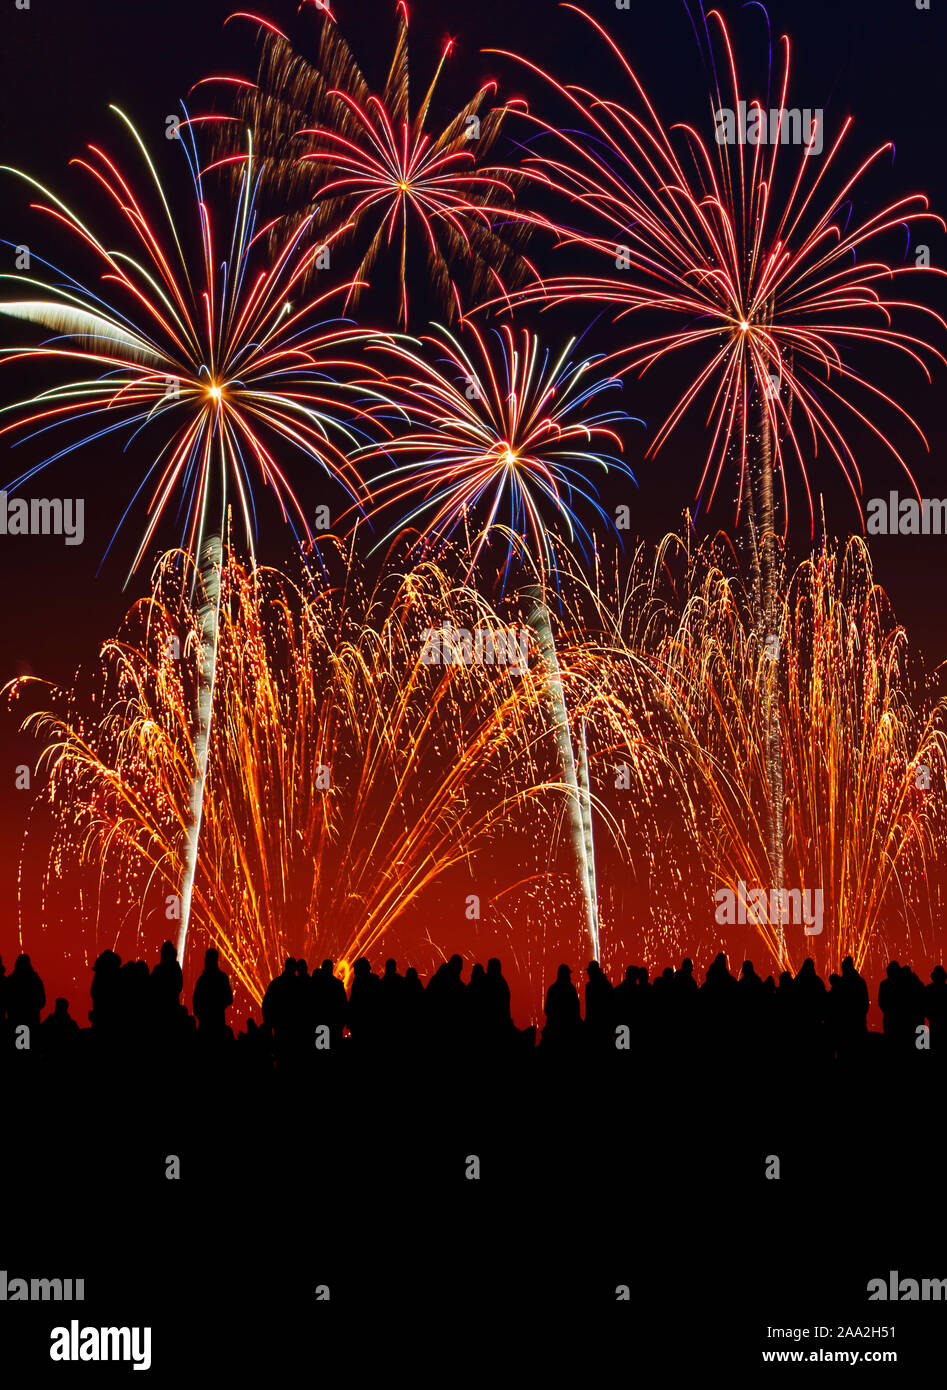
(62, 63)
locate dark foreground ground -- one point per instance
(595, 1174)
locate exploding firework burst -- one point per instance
(374, 173)
(771, 274)
(204, 363)
(502, 438)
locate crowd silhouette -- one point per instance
(303, 1012)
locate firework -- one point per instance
(378, 177)
(500, 437)
(347, 772)
(769, 272)
(204, 364)
(864, 739)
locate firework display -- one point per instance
(323, 698)
(495, 806)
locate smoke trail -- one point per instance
(585, 809)
(580, 808)
(208, 615)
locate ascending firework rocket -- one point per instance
(576, 780)
(208, 619)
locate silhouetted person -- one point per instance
(810, 994)
(445, 999)
(599, 1005)
(58, 1032)
(496, 1003)
(685, 986)
(901, 1000)
(853, 1004)
(24, 997)
(167, 984)
(330, 1005)
(363, 1003)
(752, 999)
(106, 1012)
(718, 1003)
(563, 1013)
(212, 997)
(303, 1023)
(391, 1000)
(278, 1004)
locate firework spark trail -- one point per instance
(421, 765)
(865, 741)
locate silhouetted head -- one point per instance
(62, 1006)
(808, 967)
(22, 966)
(391, 968)
(168, 954)
(892, 970)
(938, 974)
(834, 980)
(687, 966)
(211, 957)
(593, 968)
(785, 979)
(493, 966)
(411, 974)
(848, 966)
(456, 964)
(289, 966)
(563, 973)
(631, 974)
(746, 970)
(361, 969)
(478, 974)
(302, 969)
(326, 967)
